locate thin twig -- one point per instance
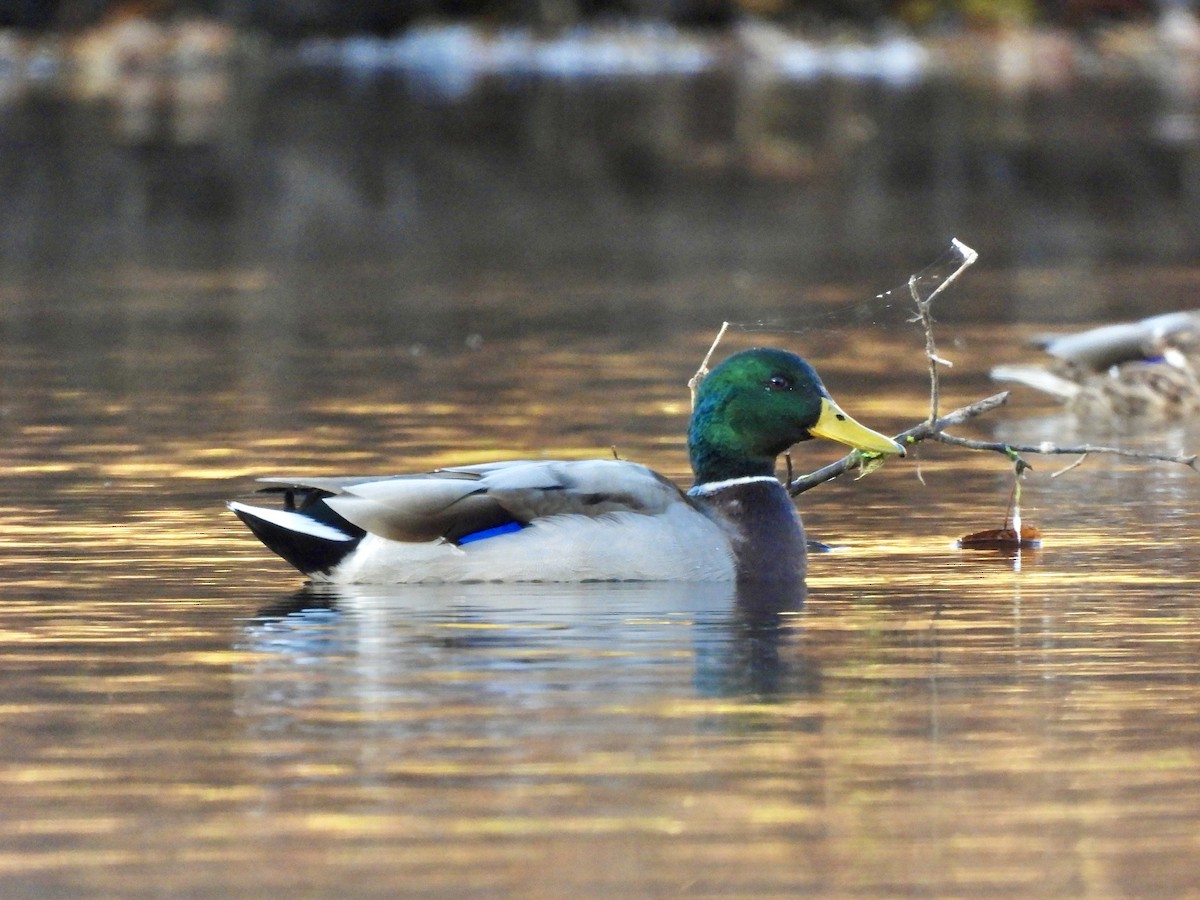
(1012, 451)
(1081, 450)
(925, 317)
(914, 435)
(702, 372)
(1067, 468)
(936, 431)
(931, 354)
(934, 427)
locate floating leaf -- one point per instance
(1029, 538)
(1015, 535)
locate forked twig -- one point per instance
(934, 427)
(925, 317)
(914, 435)
(1080, 450)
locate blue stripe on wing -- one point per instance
(483, 535)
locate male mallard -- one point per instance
(592, 520)
(1144, 371)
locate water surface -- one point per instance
(181, 716)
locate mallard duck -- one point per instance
(1146, 371)
(590, 520)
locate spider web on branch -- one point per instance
(888, 309)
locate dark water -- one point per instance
(365, 276)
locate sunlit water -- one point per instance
(181, 716)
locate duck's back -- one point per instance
(513, 521)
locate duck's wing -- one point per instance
(456, 504)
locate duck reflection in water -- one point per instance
(522, 645)
(748, 651)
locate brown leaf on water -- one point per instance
(1002, 539)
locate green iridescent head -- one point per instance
(758, 403)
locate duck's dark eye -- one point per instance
(779, 383)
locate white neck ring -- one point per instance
(711, 487)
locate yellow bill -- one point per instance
(835, 425)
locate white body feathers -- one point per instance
(680, 545)
(591, 520)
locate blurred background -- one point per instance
(281, 204)
(397, 152)
(242, 185)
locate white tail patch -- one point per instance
(292, 521)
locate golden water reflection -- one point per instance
(181, 716)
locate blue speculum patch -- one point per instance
(486, 533)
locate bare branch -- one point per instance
(936, 431)
(1069, 466)
(925, 317)
(917, 433)
(702, 372)
(1081, 450)
(934, 427)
